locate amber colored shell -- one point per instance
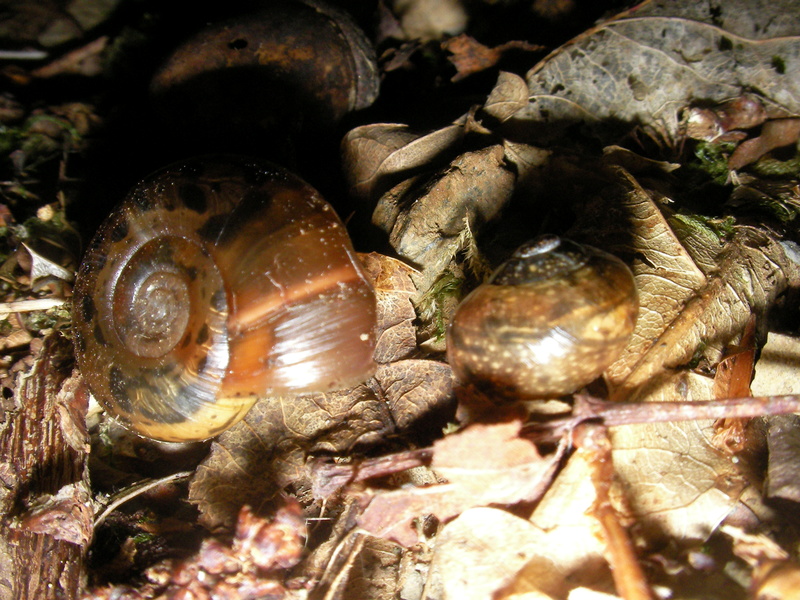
(548, 321)
(302, 61)
(218, 281)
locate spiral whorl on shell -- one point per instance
(216, 282)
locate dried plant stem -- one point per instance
(612, 414)
(592, 440)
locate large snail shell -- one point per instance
(216, 282)
(291, 65)
(548, 321)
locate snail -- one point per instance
(218, 281)
(288, 68)
(548, 321)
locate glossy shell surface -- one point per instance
(218, 281)
(549, 321)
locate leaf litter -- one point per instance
(498, 508)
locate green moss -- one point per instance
(712, 159)
(431, 306)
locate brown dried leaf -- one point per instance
(419, 394)
(255, 460)
(394, 290)
(252, 462)
(429, 227)
(486, 464)
(470, 56)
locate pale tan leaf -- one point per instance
(489, 465)
(642, 71)
(677, 483)
(372, 154)
(573, 544)
(778, 367)
(481, 552)
(751, 271)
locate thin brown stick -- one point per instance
(612, 414)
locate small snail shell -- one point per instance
(216, 282)
(548, 321)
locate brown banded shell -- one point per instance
(218, 281)
(292, 65)
(549, 321)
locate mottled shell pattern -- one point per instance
(219, 281)
(549, 321)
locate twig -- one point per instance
(137, 490)
(611, 414)
(629, 578)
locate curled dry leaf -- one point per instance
(428, 224)
(470, 56)
(374, 155)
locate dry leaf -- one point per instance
(252, 462)
(643, 70)
(469, 193)
(481, 551)
(676, 481)
(470, 56)
(485, 464)
(778, 367)
(374, 155)
(419, 394)
(393, 290)
(754, 19)
(509, 95)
